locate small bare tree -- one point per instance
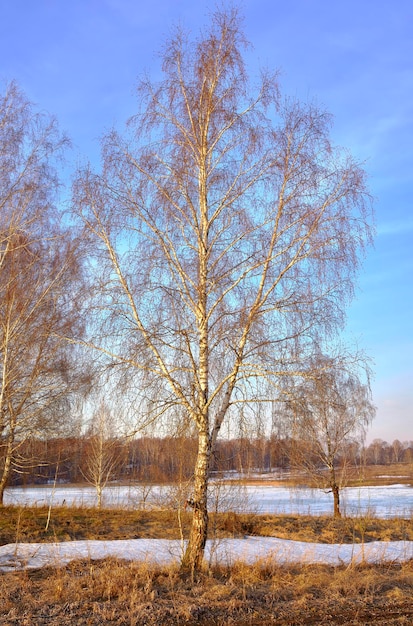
(101, 454)
(226, 231)
(330, 409)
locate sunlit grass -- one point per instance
(114, 592)
(29, 524)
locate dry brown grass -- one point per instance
(353, 476)
(70, 523)
(326, 529)
(121, 593)
(401, 473)
(115, 592)
(66, 524)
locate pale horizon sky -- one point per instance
(80, 61)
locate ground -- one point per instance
(115, 592)
(123, 593)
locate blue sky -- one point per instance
(80, 60)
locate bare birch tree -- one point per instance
(102, 455)
(226, 231)
(330, 409)
(38, 273)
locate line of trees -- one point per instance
(205, 272)
(171, 459)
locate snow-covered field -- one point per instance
(387, 501)
(383, 501)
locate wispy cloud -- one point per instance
(395, 227)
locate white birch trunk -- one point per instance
(194, 554)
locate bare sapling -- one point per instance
(101, 453)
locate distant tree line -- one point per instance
(171, 459)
